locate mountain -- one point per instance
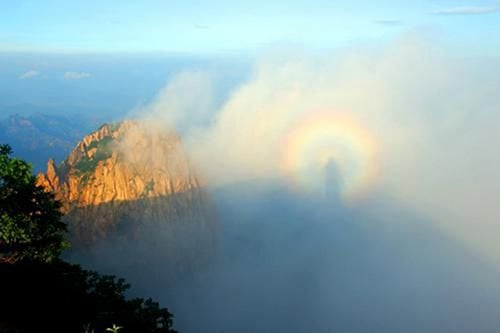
(38, 136)
(129, 190)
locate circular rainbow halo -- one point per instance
(327, 139)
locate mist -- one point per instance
(385, 222)
(433, 116)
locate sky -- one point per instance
(72, 56)
(68, 56)
(209, 27)
(109, 84)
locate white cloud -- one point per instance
(199, 26)
(388, 22)
(467, 10)
(75, 75)
(28, 74)
(187, 100)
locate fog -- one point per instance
(356, 190)
(432, 115)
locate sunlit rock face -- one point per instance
(131, 185)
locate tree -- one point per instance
(106, 293)
(42, 293)
(30, 221)
(62, 297)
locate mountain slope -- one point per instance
(130, 187)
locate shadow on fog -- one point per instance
(294, 264)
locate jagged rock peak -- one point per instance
(126, 161)
(125, 176)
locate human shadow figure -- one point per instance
(332, 183)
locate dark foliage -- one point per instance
(41, 293)
(61, 297)
(30, 221)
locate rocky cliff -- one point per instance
(132, 182)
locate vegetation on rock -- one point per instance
(103, 151)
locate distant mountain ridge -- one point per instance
(38, 136)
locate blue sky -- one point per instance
(222, 25)
(99, 55)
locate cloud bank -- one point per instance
(467, 10)
(420, 126)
